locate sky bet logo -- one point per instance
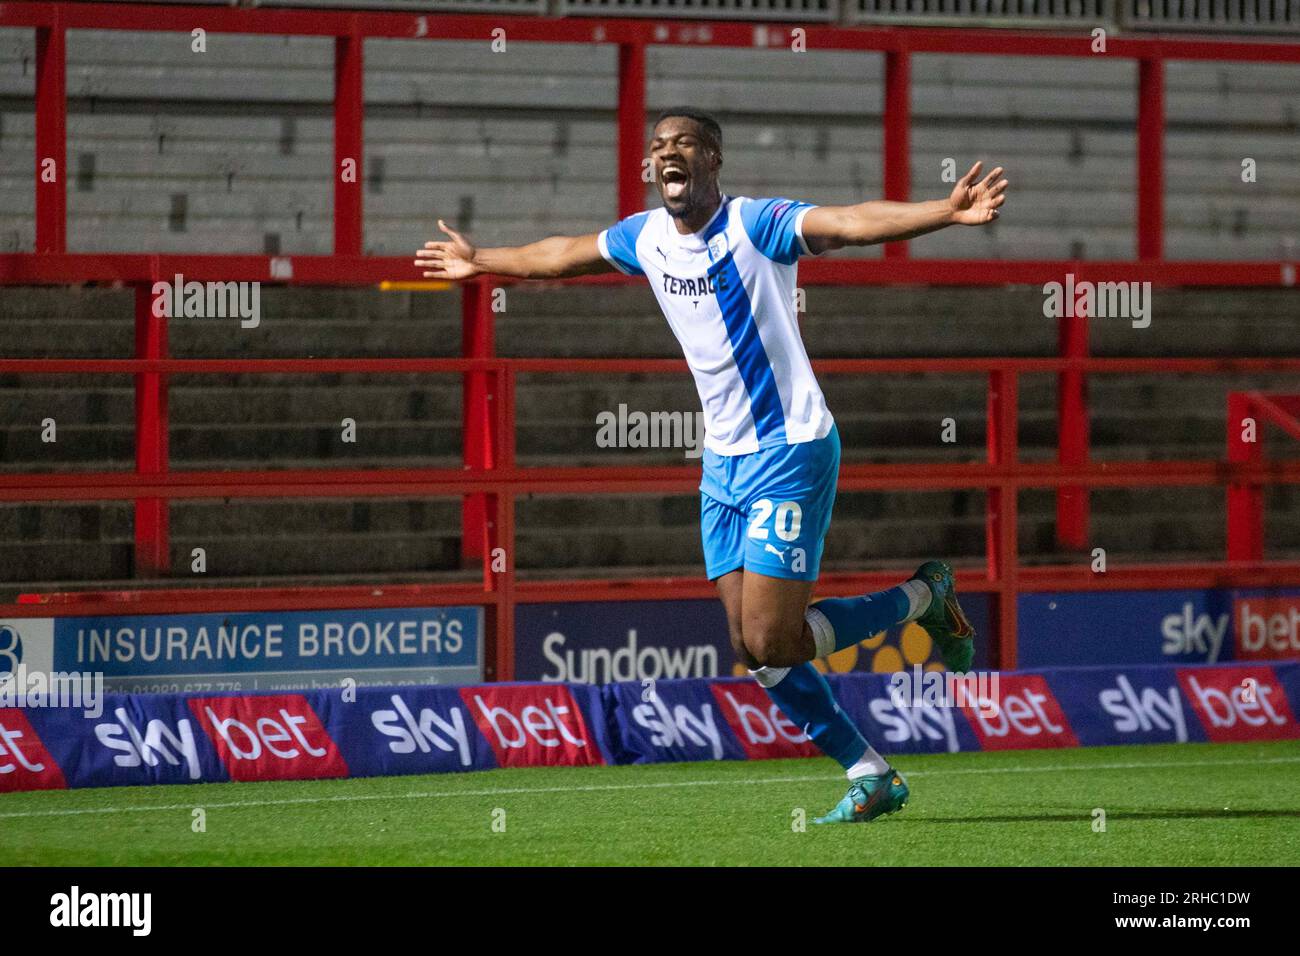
(1027, 716)
(1236, 704)
(425, 732)
(158, 745)
(25, 764)
(528, 725)
(269, 738)
(930, 727)
(679, 729)
(763, 731)
(1263, 629)
(1267, 628)
(1200, 635)
(1150, 712)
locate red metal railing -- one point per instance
(501, 480)
(490, 480)
(1248, 413)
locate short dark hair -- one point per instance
(707, 122)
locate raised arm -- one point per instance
(972, 203)
(552, 258)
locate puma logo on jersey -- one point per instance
(779, 552)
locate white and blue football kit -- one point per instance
(772, 455)
(771, 452)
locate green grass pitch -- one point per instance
(1189, 804)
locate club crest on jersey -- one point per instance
(718, 246)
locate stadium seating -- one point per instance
(234, 421)
(237, 158)
(234, 162)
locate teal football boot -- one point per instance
(944, 620)
(870, 797)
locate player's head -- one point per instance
(686, 153)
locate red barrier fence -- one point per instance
(490, 480)
(1248, 414)
(499, 480)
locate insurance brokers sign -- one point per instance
(260, 650)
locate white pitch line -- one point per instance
(612, 787)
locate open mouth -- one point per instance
(675, 181)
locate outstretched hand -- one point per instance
(976, 203)
(442, 259)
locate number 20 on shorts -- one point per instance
(787, 518)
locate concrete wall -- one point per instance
(230, 150)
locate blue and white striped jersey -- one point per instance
(728, 293)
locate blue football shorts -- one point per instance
(768, 511)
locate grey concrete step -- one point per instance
(411, 420)
(866, 533)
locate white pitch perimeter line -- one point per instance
(612, 787)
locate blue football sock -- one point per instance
(842, 622)
(804, 696)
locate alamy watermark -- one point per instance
(1101, 300)
(637, 429)
(75, 908)
(33, 688)
(977, 690)
(209, 300)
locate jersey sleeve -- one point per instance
(618, 244)
(775, 227)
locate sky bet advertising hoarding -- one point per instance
(1155, 627)
(260, 650)
(602, 642)
(384, 731)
